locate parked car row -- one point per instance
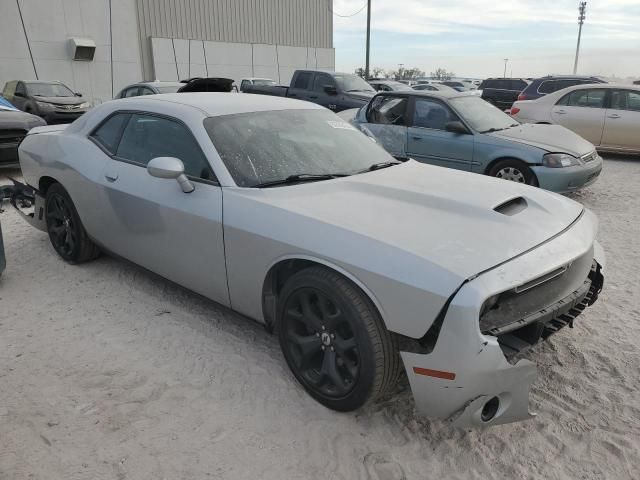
(363, 264)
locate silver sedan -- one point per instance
(283, 212)
(607, 115)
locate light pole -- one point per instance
(582, 9)
(506, 60)
(400, 74)
(366, 65)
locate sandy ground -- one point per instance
(108, 372)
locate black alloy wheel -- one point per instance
(66, 232)
(334, 340)
(321, 342)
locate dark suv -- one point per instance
(552, 83)
(502, 92)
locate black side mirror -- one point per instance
(456, 127)
(329, 90)
(18, 94)
(77, 94)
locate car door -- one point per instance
(324, 91)
(428, 141)
(582, 111)
(301, 85)
(622, 120)
(20, 96)
(151, 221)
(386, 122)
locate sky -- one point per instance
(472, 38)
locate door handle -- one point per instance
(613, 115)
(561, 112)
(293, 95)
(313, 97)
(416, 138)
(111, 176)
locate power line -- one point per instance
(345, 16)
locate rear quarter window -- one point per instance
(108, 133)
(302, 80)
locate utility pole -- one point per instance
(366, 65)
(506, 60)
(582, 10)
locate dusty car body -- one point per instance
(506, 266)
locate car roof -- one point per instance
(224, 103)
(606, 86)
(157, 83)
(443, 94)
(569, 77)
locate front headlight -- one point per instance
(84, 105)
(559, 160)
(45, 105)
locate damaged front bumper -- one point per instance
(473, 379)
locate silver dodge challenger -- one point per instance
(362, 264)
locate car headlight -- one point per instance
(84, 105)
(559, 160)
(45, 105)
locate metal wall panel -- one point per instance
(296, 23)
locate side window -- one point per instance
(625, 100)
(547, 86)
(146, 91)
(432, 114)
(244, 84)
(302, 80)
(584, 98)
(518, 85)
(108, 134)
(148, 136)
(20, 89)
(131, 92)
(323, 80)
(633, 101)
(9, 89)
(388, 110)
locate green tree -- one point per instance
(442, 74)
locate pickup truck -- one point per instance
(335, 91)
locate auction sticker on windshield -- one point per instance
(342, 125)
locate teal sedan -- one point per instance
(462, 131)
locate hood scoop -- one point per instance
(512, 207)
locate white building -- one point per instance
(97, 47)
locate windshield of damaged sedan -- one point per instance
(481, 115)
(262, 147)
(352, 83)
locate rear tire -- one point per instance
(66, 232)
(513, 170)
(334, 340)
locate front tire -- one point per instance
(66, 232)
(334, 340)
(515, 171)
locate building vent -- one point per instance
(83, 49)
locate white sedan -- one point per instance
(608, 115)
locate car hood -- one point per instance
(552, 138)
(61, 100)
(445, 217)
(17, 120)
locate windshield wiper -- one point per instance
(379, 166)
(491, 130)
(300, 178)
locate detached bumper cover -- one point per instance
(470, 378)
(30, 205)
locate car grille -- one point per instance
(522, 317)
(8, 137)
(589, 157)
(67, 107)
